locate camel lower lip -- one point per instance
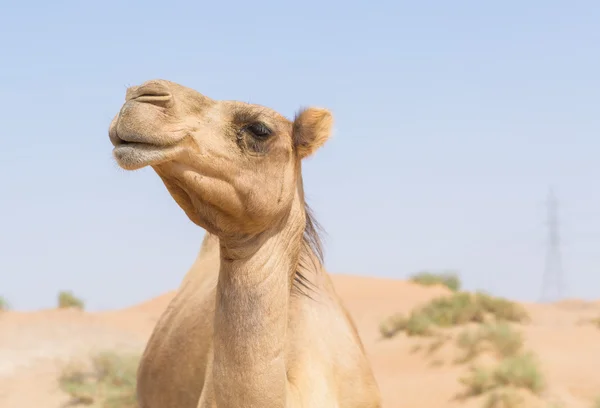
(132, 156)
(123, 148)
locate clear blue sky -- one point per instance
(452, 120)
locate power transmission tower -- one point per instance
(553, 280)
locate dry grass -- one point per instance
(448, 279)
(110, 383)
(66, 299)
(596, 403)
(454, 310)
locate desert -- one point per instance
(37, 348)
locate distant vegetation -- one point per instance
(456, 309)
(518, 371)
(596, 403)
(488, 330)
(498, 338)
(3, 304)
(448, 279)
(66, 299)
(515, 369)
(109, 383)
(507, 398)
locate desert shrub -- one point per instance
(500, 308)
(469, 342)
(457, 309)
(478, 381)
(66, 299)
(4, 304)
(435, 345)
(518, 371)
(505, 341)
(392, 325)
(596, 403)
(503, 399)
(498, 336)
(448, 279)
(418, 325)
(110, 383)
(454, 310)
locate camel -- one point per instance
(256, 322)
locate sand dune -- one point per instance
(34, 346)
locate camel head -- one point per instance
(233, 167)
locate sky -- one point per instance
(452, 121)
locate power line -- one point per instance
(553, 284)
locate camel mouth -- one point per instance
(135, 155)
(124, 146)
(133, 140)
(133, 151)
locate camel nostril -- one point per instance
(153, 92)
(154, 98)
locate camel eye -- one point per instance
(259, 130)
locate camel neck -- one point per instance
(251, 316)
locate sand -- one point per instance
(34, 346)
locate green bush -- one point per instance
(505, 341)
(502, 309)
(478, 381)
(392, 325)
(504, 399)
(3, 304)
(499, 336)
(456, 309)
(66, 299)
(111, 382)
(448, 279)
(518, 371)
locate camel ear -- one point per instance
(312, 128)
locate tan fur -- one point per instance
(256, 321)
(312, 128)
